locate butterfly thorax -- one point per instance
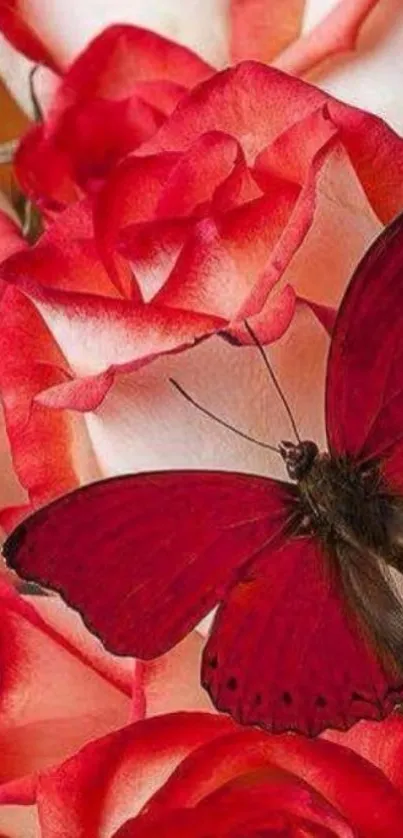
(340, 500)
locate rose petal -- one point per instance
(172, 682)
(145, 424)
(66, 258)
(112, 98)
(252, 102)
(198, 173)
(97, 134)
(340, 776)
(145, 189)
(377, 156)
(56, 693)
(223, 260)
(260, 30)
(320, 268)
(337, 32)
(45, 172)
(111, 779)
(66, 32)
(80, 394)
(11, 239)
(381, 745)
(121, 335)
(378, 57)
(19, 823)
(122, 55)
(49, 449)
(23, 35)
(130, 195)
(253, 803)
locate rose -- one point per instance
(196, 775)
(112, 98)
(75, 718)
(344, 42)
(60, 690)
(92, 122)
(285, 188)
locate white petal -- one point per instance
(371, 77)
(144, 424)
(67, 27)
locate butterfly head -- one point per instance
(298, 458)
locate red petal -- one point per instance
(343, 779)
(205, 167)
(44, 171)
(82, 394)
(11, 238)
(113, 97)
(124, 768)
(130, 195)
(223, 260)
(41, 441)
(376, 153)
(95, 135)
(380, 744)
(332, 197)
(123, 55)
(123, 337)
(17, 28)
(89, 695)
(251, 102)
(252, 804)
(66, 258)
(255, 104)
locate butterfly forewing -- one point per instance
(145, 557)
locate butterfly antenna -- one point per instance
(221, 421)
(273, 378)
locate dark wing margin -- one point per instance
(144, 557)
(364, 387)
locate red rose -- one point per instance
(113, 97)
(198, 775)
(343, 43)
(60, 689)
(256, 198)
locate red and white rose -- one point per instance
(178, 201)
(255, 198)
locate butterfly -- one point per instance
(309, 628)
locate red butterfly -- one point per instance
(309, 632)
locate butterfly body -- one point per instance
(344, 501)
(308, 633)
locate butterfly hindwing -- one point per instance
(144, 557)
(286, 651)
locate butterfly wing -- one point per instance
(144, 557)
(364, 388)
(287, 653)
